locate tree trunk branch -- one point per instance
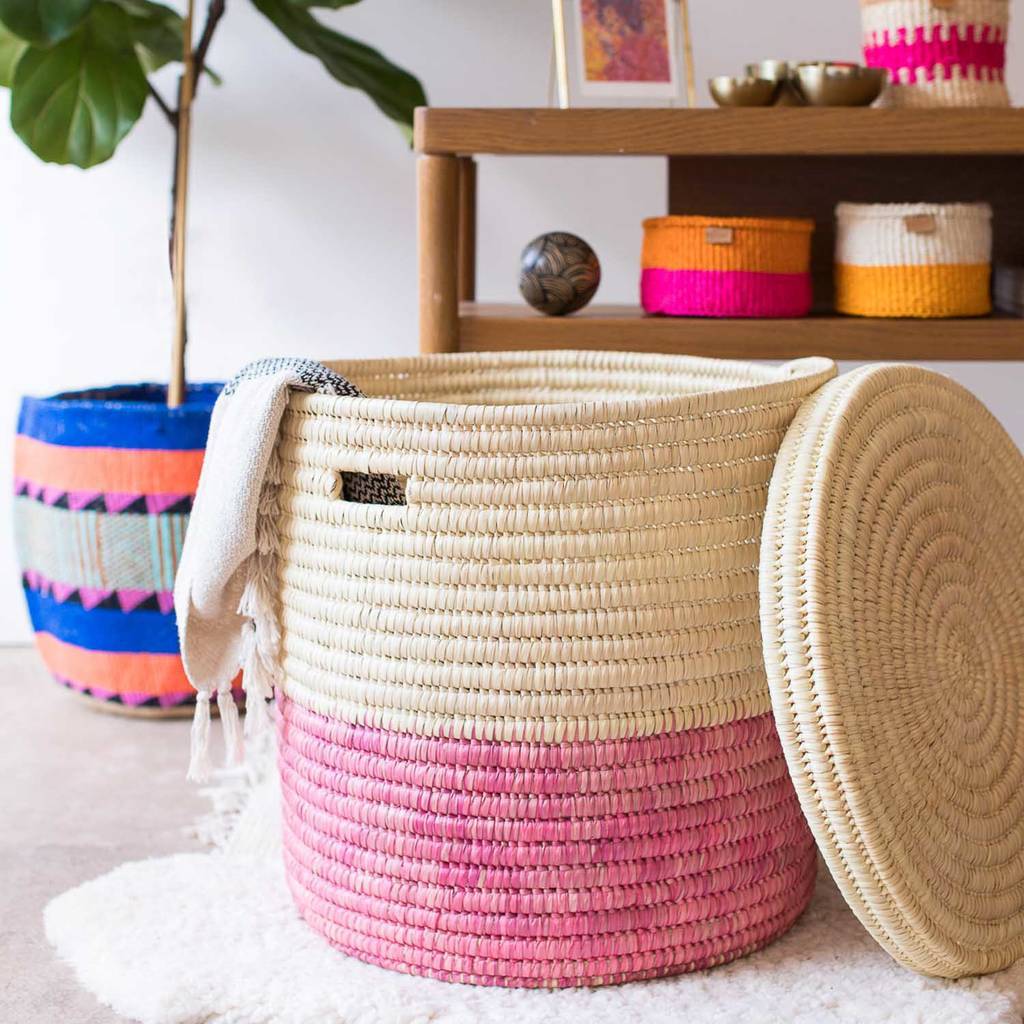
(214, 13)
(171, 115)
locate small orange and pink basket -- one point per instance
(726, 266)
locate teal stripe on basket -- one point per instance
(157, 545)
(94, 549)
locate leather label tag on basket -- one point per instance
(920, 223)
(718, 236)
(943, 5)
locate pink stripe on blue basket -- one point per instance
(724, 293)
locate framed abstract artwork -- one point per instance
(627, 50)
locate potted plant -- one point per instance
(104, 478)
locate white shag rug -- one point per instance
(213, 939)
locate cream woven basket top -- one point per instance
(576, 558)
(892, 606)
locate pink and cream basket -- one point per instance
(939, 53)
(525, 734)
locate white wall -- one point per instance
(302, 218)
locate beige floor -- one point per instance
(80, 792)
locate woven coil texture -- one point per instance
(913, 259)
(939, 53)
(103, 489)
(525, 730)
(732, 266)
(893, 618)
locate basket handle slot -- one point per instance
(346, 484)
(371, 488)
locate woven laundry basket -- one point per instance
(103, 488)
(525, 734)
(939, 53)
(729, 266)
(913, 259)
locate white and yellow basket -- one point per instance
(913, 259)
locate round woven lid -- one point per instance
(892, 594)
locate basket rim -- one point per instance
(801, 225)
(755, 384)
(199, 397)
(886, 211)
(120, 416)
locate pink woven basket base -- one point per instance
(542, 864)
(724, 293)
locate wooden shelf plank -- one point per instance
(490, 327)
(780, 131)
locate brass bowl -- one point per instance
(833, 84)
(737, 91)
(778, 71)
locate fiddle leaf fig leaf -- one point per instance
(395, 92)
(43, 22)
(11, 49)
(157, 31)
(74, 102)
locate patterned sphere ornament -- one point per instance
(559, 273)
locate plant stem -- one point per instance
(194, 61)
(176, 386)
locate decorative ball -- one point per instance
(559, 273)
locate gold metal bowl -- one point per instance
(835, 84)
(739, 91)
(778, 71)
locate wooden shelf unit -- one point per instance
(776, 161)
(496, 326)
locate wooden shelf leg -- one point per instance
(438, 198)
(467, 229)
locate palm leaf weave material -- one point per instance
(524, 724)
(893, 616)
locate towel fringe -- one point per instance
(234, 750)
(199, 758)
(258, 679)
(260, 643)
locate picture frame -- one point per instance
(637, 52)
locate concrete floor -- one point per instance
(80, 792)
